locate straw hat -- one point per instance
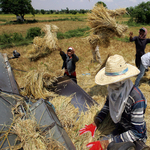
(115, 70)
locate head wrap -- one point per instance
(144, 35)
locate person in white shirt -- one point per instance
(145, 63)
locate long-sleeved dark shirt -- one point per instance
(132, 119)
(140, 44)
(69, 63)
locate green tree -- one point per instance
(100, 2)
(17, 7)
(67, 10)
(42, 11)
(140, 13)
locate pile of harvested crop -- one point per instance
(102, 22)
(44, 46)
(38, 83)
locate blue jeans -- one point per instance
(140, 75)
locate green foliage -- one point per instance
(73, 33)
(125, 39)
(17, 37)
(33, 32)
(17, 7)
(100, 2)
(140, 13)
(42, 11)
(35, 21)
(5, 38)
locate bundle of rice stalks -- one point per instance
(117, 12)
(38, 84)
(102, 24)
(65, 111)
(44, 46)
(29, 135)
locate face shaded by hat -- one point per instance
(115, 70)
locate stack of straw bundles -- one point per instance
(37, 84)
(103, 25)
(47, 44)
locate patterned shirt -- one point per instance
(132, 119)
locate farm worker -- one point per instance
(140, 42)
(145, 63)
(69, 63)
(125, 103)
(95, 52)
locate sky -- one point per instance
(82, 4)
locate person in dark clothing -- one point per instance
(69, 63)
(125, 103)
(140, 42)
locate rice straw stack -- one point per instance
(38, 83)
(44, 46)
(101, 22)
(117, 12)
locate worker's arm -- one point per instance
(131, 36)
(63, 55)
(102, 114)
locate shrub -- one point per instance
(33, 32)
(5, 38)
(17, 37)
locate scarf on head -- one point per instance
(118, 95)
(143, 36)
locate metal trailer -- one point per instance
(8, 85)
(50, 124)
(42, 109)
(67, 87)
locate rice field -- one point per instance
(53, 63)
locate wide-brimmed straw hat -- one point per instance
(116, 70)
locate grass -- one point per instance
(16, 39)
(11, 19)
(53, 63)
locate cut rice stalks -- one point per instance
(44, 46)
(104, 25)
(38, 83)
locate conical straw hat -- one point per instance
(116, 69)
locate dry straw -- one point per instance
(25, 126)
(44, 46)
(103, 23)
(38, 83)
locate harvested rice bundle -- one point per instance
(117, 12)
(43, 46)
(103, 24)
(65, 111)
(29, 135)
(38, 83)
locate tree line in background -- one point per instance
(138, 14)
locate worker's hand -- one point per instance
(131, 34)
(73, 51)
(88, 128)
(95, 145)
